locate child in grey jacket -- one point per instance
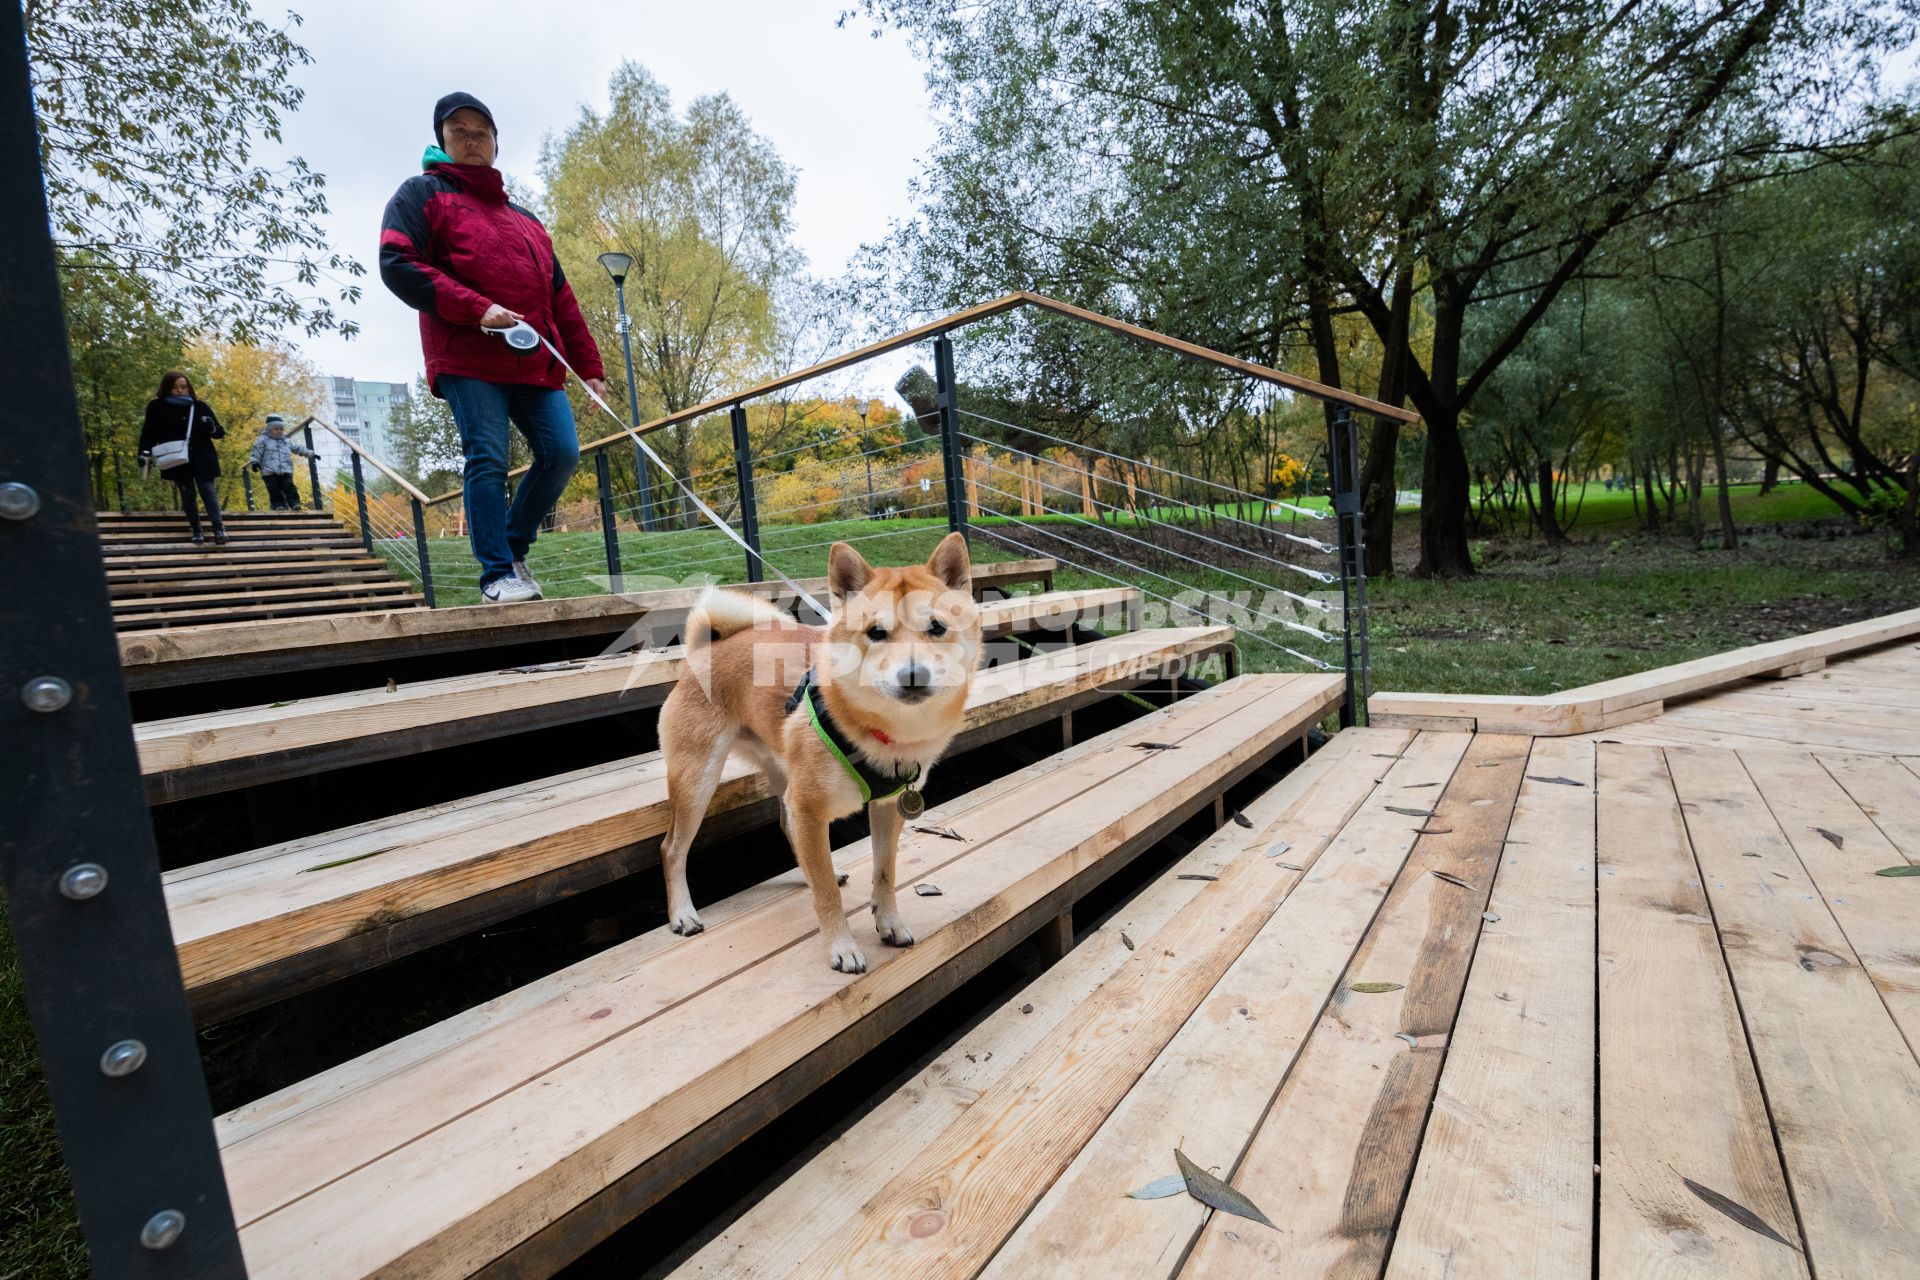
(272, 457)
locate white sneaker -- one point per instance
(509, 590)
(525, 575)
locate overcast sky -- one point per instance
(848, 111)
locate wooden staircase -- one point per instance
(278, 564)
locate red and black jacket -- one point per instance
(451, 245)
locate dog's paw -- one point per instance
(847, 958)
(893, 928)
(686, 922)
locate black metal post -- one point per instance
(643, 488)
(1343, 474)
(360, 496)
(946, 397)
(80, 872)
(120, 487)
(609, 520)
(313, 466)
(743, 473)
(246, 483)
(420, 546)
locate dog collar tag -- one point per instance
(912, 803)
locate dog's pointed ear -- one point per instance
(950, 562)
(847, 570)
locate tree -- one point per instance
(151, 113)
(243, 383)
(427, 442)
(1241, 175)
(121, 340)
(704, 206)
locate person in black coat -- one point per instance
(169, 416)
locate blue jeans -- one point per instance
(502, 534)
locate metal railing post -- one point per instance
(743, 473)
(79, 872)
(609, 522)
(246, 483)
(313, 467)
(360, 495)
(946, 398)
(420, 546)
(1343, 467)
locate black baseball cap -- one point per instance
(454, 102)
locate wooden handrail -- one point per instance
(986, 310)
(406, 486)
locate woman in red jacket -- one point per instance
(455, 249)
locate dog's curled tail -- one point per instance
(718, 614)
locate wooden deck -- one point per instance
(1624, 1003)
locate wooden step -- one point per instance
(262, 924)
(212, 560)
(239, 611)
(258, 648)
(117, 553)
(351, 588)
(524, 1130)
(141, 517)
(269, 579)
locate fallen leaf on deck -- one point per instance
(1410, 813)
(1564, 782)
(1157, 746)
(341, 862)
(1415, 786)
(1242, 818)
(1450, 878)
(1904, 869)
(1185, 876)
(1278, 849)
(1375, 988)
(393, 686)
(1433, 831)
(1160, 1188)
(1491, 917)
(1026, 1008)
(1214, 1193)
(1125, 941)
(1290, 866)
(1751, 855)
(948, 832)
(1738, 1212)
(1411, 1042)
(271, 705)
(1836, 841)
(927, 890)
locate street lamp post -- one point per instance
(617, 265)
(866, 453)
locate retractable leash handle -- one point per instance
(524, 337)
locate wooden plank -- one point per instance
(1789, 712)
(1272, 953)
(1825, 696)
(1573, 710)
(1662, 733)
(349, 589)
(482, 1178)
(807, 1209)
(1504, 1182)
(1678, 1094)
(212, 653)
(1804, 730)
(214, 613)
(1887, 792)
(1843, 1088)
(1841, 849)
(254, 909)
(1331, 1160)
(378, 720)
(125, 594)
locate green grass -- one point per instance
(39, 1232)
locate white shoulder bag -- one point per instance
(169, 454)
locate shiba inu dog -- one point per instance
(854, 713)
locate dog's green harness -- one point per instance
(873, 784)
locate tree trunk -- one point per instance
(1770, 476)
(1546, 513)
(1445, 493)
(1910, 513)
(1653, 502)
(1379, 479)
(1696, 525)
(1729, 536)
